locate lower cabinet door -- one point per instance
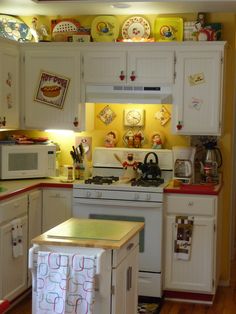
(13, 270)
(125, 285)
(56, 207)
(196, 274)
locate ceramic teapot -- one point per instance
(149, 168)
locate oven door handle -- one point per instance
(107, 202)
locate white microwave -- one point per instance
(21, 161)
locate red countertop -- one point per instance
(14, 187)
(205, 189)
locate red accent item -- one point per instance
(179, 126)
(132, 76)
(4, 304)
(122, 77)
(189, 296)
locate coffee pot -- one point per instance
(211, 164)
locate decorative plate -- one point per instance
(136, 27)
(169, 29)
(14, 29)
(105, 28)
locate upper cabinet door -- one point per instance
(198, 92)
(9, 85)
(150, 67)
(52, 89)
(127, 65)
(104, 67)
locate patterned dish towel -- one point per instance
(17, 237)
(65, 283)
(183, 237)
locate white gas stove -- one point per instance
(110, 195)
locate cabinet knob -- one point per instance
(3, 121)
(190, 203)
(122, 76)
(76, 122)
(133, 76)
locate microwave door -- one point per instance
(23, 163)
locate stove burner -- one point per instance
(101, 180)
(147, 182)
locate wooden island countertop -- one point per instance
(106, 234)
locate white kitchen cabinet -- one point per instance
(198, 89)
(57, 207)
(9, 85)
(124, 281)
(34, 219)
(200, 273)
(13, 270)
(50, 111)
(128, 64)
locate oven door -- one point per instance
(150, 241)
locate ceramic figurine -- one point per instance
(157, 140)
(111, 139)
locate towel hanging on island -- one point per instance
(66, 282)
(183, 237)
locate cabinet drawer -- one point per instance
(119, 255)
(13, 208)
(191, 205)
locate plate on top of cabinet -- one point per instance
(169, 29)
(136, 27)
(14, 28)
(105, 28)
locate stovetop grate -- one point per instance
(101, 180)
(147, 182)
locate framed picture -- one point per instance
(52, 89)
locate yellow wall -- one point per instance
(229, 26)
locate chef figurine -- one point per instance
(129, 162)
(157, 140)
(111, 139)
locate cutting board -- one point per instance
(91, 229)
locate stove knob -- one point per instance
(136, 196)
(98, 194)
(148, 197)
(88, 194)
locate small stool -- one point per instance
(4, 305)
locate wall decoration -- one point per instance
(136, 27)
(163, 115)
(168, 29)
(196, 79)
(86, 141)
(134, 117)
(196, 103)
(105, 28)
(14, 29)
(52, 89)
(107, 115)
(133, 138)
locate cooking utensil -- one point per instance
(118, 159)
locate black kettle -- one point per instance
(150, 169)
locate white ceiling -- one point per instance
(98, 7)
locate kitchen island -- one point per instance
(115, 245)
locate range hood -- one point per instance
(128, 94)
